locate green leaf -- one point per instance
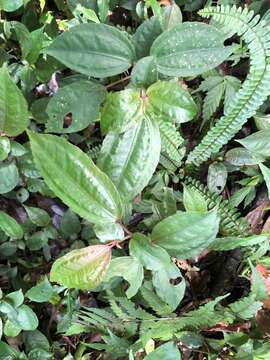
(217, 177)
(193, 200)
(230, 243)
(9, 176)
(8, 352)
(11, 329)
(15, 298)
(81, 100)
(109, 232)
(145, 35)
(96, 50)
(10, 226)
(257, 143)
(172, 16)
(121, 110)
(4, 147)
(83, 268)
(189, 49)
(26, 318)
(10, 6)
(13, 106)
(130, 159)
(156, 259)
(241, 157)
(38, 216)
(70, 224)
(168, 351)
(128, 268)
(42, 292)
(266, 175)
(75, 179)
(37, 240)
(171, 102)
(258, 284)
(185, 235)
(144, 73)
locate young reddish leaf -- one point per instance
(82, 268)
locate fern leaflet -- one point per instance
(255, 88)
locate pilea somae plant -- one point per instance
(112, 141)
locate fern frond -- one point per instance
(255, 88)
(172, 143)
(231, 221)
(94, 152)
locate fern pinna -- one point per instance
(254, 90)
(231, 221)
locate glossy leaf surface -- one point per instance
(81, 101)
(94, 49)
(121, 110)
(170, 102)
(130, 159)
(10, 226)
(13, 106)
(75, 179)
(189, 49)
(82, 268)
(186, 235)
(128, 268)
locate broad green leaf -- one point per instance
(145, 35)
(230, 243)
(8, 352)
(26, 318)
(266, 175)
(189, 49)
(171, 102)
(75, 179)
(172, 16)
(22, 34)
(130, 159)
(15, 298)
(83, 268)
(257, 143)
(128, 268)
(11, 329)
(10, 5)
(34, 339)
(42, 292)
(37, 240)
(121, 110)
(13, 106)
(81, 100)
(186, 234)
(241, 157)
(156, 259)
(94, 49)
(70, 223)
(262, 121)
(193, 200)
(167, 351)
(109, 232)
(4, 147)
(217, 177)
(10, 226)
(258, 285)
(144, 73)
(38, 216)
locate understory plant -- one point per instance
(132, 226)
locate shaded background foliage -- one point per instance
(189, 277)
